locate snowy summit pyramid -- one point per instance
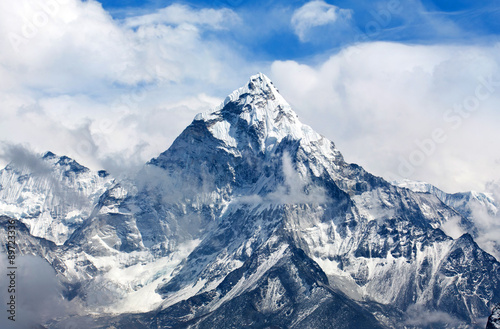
(257, 118)
(264, 111)
(251, 219)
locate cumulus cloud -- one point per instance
(79, 82)
(405, 111)
(80, 39)
(314, 14)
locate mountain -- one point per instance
(51, 195)
(252, 219)
(479, 212)
(463, 202)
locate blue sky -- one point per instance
(267, 35)
(112, 83)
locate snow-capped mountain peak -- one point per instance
(259, 109)
(50, 194)
(258, 85)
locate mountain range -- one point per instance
(251, 219)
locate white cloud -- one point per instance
(78, 82)
(295, 185)
(418, 315)
(314, 14)
(180, 14)
(382, 102)
(296, 188)
(452, 227)
(487, 220)
(80, 45)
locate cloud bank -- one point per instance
(405, 111)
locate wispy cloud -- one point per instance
(178, 14)
(418, 315)
(22, 158)
(89, 86)
(26, 161)
(295, 189)
(317, 13)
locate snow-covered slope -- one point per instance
(252, 219)
(52, 195)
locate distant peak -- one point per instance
(48, 155)
(103, 173)
(65, 162)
